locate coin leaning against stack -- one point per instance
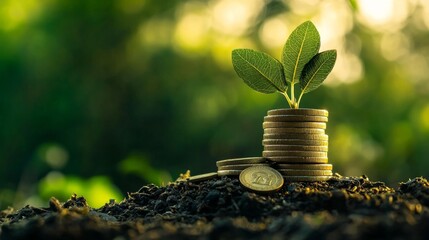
(295, 141)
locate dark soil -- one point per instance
(342, 208)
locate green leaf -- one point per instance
(316, 71)
(302, 44)
(259, 70)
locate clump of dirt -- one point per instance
(344, 207)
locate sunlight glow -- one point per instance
(333, 27)
(302, 7)
(16, 13)
(424, 118)
(383, 15)
(234, 17)
(425, 12)
(394, 45)
(274, 32)
(192, 31)
(161, 37)
(347, 69)
(222, 47)
(56, 156)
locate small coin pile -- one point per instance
(295, 140)
(295, 147)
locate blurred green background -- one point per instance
(101, 97)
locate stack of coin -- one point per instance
(295, 140)
(234, 166)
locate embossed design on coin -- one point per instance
(261, 179)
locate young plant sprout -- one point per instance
(301, 63)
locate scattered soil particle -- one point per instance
(220, 208)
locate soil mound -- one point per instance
(220, 208)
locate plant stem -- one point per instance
(300, 96)
(293, 103)
(287, 98)
(292, 92)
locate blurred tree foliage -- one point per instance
(121, 90)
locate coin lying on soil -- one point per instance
(228, 172)
(200, 177)
(261, 179)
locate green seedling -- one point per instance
(301, 63)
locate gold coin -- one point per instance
(299, 159)
(306, 178)
(299, 111)
(294, 130)
(200, 177)
(295, 118)
(295, 172)
(261, 179)
(268, 124)
(297, 136)
(295, 148)
(294, 154)
(304, 166)
(246, 160)
(304, 142)
(228, 172)
(241, 166)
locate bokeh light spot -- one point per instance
(274, 32)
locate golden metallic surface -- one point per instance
(241, 166)
(300, 111)
(304, 166)
(246, 160)
(306, 178)
(268, 154)
(268, 124)
(297, 136)
(295, 148)
(305, 142)
(261, 179)
(200, 177)
(307, 160)
(228, 172)
(294, 130)
(295, 172)
(295, 118)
